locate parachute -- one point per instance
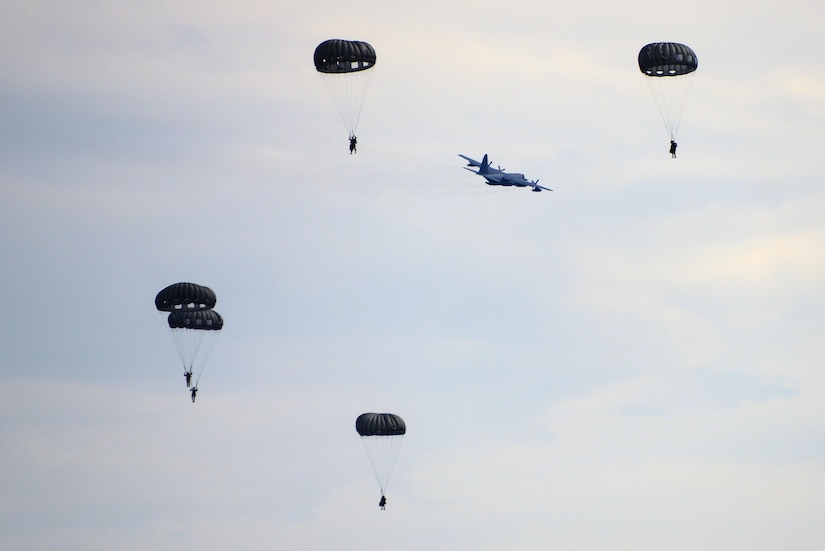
(669, 68)
(345, 66)
(194, 333)
(381, 434)
(185, 296)
(193, 324)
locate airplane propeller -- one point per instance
(536, 186)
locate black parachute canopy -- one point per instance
(380, 424)
(185, 296)
(343, 56)
(206, 320)
(667, 59)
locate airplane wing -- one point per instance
(471, 162)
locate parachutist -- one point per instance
(381, 434)
(347, 67)
(193, 325)
(382, 503)
(669, 68)
(194, 393)
(353, 141)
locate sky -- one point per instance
(632, 361)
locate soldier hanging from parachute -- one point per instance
(381, 434)
(669, 68)
(346, 67)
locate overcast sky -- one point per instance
(633, 361)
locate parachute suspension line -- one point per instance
(382, 452)
(205, 351)
(172, 333)
(183, 345)
(348, 91)
(670, 94)
(194, 348)
(687, 81)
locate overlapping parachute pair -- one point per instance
(193, 325)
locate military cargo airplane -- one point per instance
(497, 176)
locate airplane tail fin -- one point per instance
(484, 165)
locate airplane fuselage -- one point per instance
(505, 183)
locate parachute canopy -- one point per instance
(343, 56)
(380, 424)
(185, 296)
(669, 68)
(663, 59)
(203, 320)
(343, 65)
